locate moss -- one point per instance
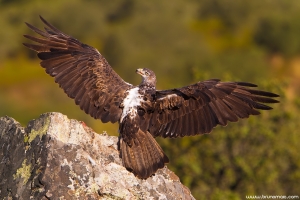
(43, 130)
(23, 172)
(25, 139)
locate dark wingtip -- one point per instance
(43, 20)
(27, 24)
(261, 106)
(270, 94)
(26, 36)
(50, 26)
(26, 44)
(246, 84)
(275, 95)
(29, 46)
(275, 101)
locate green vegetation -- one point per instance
(183, 42)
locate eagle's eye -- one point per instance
(147, 73)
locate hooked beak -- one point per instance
(140, 72)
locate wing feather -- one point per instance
(219, 113)
(202, 106)
(81, 71)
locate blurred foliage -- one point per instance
(183, 42)
(254, 156)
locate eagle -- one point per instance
(141, 111)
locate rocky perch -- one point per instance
(59, 158)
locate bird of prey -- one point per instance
(141, 111)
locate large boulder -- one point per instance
(58, 158)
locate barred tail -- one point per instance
(144, 157)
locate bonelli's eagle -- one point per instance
(141, 111)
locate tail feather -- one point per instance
(157, 154)
(144, 157)
(140, 157)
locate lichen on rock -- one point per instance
(39, 132)
(58, 158)
(23, 172)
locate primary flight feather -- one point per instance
(141, 111)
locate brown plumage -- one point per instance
(142, 111)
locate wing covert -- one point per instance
(81, 71)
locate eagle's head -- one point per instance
(148, 75)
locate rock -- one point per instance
(58, 158)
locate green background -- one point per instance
(182, 42)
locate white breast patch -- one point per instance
(132, 100)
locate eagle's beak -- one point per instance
(140, 72)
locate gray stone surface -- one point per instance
(58, 158)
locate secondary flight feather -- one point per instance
(141, 111)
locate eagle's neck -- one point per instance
(146, 88)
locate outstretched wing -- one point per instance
(198, 108)
(81, 71)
